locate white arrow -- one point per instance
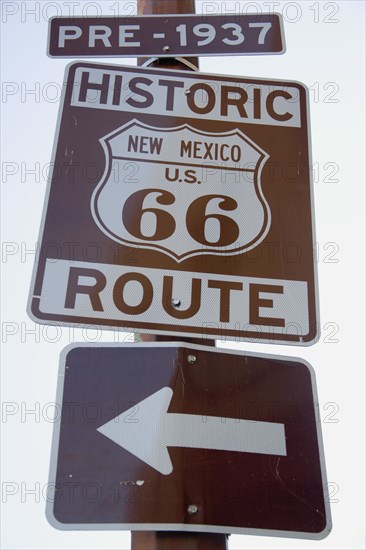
(147, 429)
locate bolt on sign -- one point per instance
(238, 433)
(180, 203)
(166, 35)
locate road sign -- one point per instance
(188, 438)
(180, 203)
(166, 35)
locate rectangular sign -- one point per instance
(180, 203)
(166, 35)
(187, 438)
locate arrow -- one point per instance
(147, 430)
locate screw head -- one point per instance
(192, 509)
(187, 92)
(166, 48)
(191, 359)
(176, 302)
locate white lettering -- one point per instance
(69, 32)
(125, 35)
(99, 32)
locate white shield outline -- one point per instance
(105, 142)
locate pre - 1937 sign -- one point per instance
(180, 203)
(166, 35)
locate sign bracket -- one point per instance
(181, 60)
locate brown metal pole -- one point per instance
(162, 7)
(165, 540)
(161, 540)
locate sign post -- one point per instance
(170, 540)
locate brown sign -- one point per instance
(166, 35)
(180, 203)
(187, 438)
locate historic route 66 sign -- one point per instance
(180, 203)
(241, 215)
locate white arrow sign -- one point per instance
(147, 430)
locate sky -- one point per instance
(326, 51)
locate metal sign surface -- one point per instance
(180, 203)
(237, 433)
(166, 35)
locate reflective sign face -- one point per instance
(166, 35)
(180, 203)
(188, 438)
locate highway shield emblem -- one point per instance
(181, 191)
